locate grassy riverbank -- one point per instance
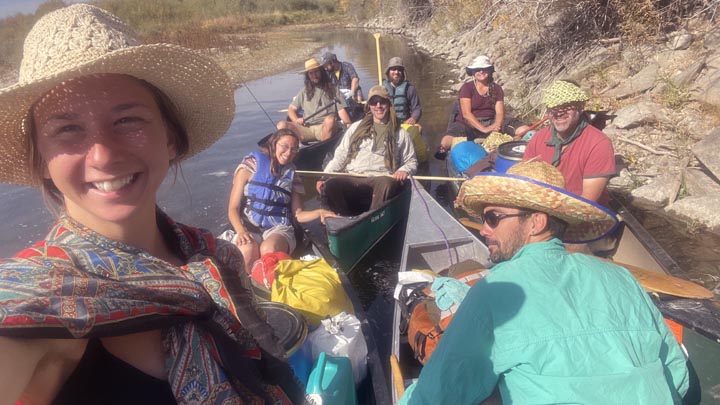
(250, 38)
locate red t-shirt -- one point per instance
(481, 106)
(589, 156)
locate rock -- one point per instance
(680, 40)
(657, 192)
(712, 40)
(698, 212)
(707, 152)
(622, 181)
(643, 81)
(634, 115)
(710, 90)
(689, 74)
(698, 184)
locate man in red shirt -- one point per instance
(582, 153)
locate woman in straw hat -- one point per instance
(546, 326)
(482, 109)
(119, 303)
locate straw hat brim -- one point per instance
(199, 88)
(587, 221)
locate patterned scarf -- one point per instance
(558, 142)
(79, 284)
(365, 130)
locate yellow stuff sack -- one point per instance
(312, 287)
(421, 152)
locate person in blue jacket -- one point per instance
(266, 196)
(547, 326)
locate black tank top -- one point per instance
(101, 378)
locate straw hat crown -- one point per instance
(81, 40)
(70, 36)
(563, 92)
(540, 171)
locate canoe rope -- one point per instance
(427, 211)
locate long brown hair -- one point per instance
(325, 84)
(271, 146)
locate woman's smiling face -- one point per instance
(106, 147)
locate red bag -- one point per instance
(263, 270)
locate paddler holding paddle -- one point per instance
(321, 103)
(376, 146)
(547, 326)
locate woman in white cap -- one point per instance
(482, 108)
(119, 303)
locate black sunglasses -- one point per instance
(492, 218)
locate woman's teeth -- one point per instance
(113, 185)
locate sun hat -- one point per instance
(311, 64)
(328, 57)
(379, 91)
(538, 186)
(395, 61)
(480, 62)
(563, 92)
(81, 40)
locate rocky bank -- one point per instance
(661, 97)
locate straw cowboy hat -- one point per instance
(311, 64)
(82, 40)
(562, 92)
(538, 186)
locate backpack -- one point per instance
(427, 322)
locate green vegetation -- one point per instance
(673, 95)
(191, 23)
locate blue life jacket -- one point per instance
(399, 99)
(268, 197)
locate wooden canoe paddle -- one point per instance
(342, 174)
(399, 383)
(651, 281)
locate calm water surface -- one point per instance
(198, 194)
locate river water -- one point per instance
(199, 192)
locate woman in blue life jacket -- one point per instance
(265, 196)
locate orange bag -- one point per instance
(263, 270)
(428, 323)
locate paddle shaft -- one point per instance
(321, 109)
(650, 280)
(398, 381)
(377, 48)
(340, 174)
(533, 126)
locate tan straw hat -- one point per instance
(563, 92)
(538, 186)
(81, 40)
(311, 64)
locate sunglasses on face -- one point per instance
(285, 147)
(492, 218)
(560, 110)
(378, 100)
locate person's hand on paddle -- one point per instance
(300, 121)
(319, 186)
(400, 175)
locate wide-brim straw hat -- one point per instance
(538, 186)
(81, 40)
(311, 64)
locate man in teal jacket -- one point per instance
(547, 326)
